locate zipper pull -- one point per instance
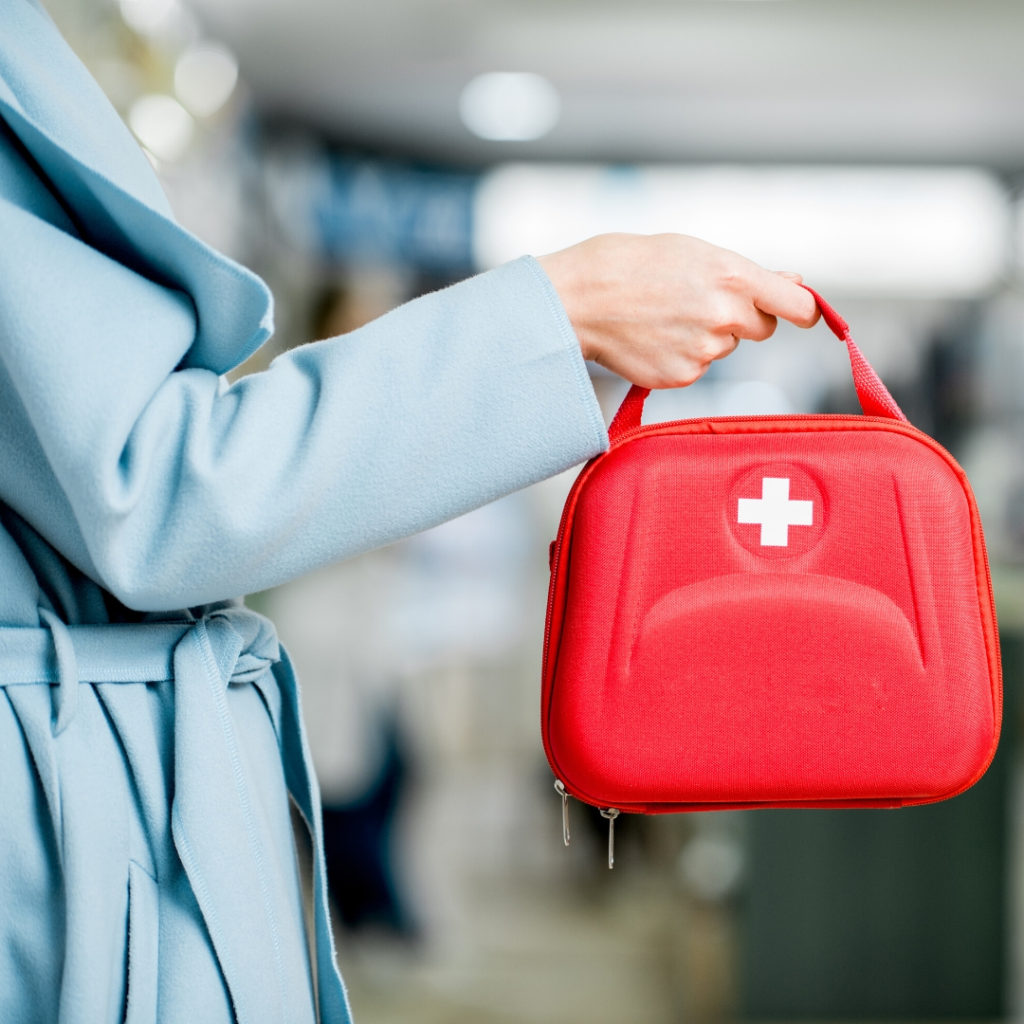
(611, 814)
(560, 790)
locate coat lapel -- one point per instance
(91, 161)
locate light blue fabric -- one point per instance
(202, 711)
(149, 725)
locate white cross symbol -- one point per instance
(775, 512)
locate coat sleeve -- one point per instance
(173, 489)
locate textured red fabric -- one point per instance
(770, 611)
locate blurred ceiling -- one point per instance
(919, 81)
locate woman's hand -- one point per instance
(658, 309)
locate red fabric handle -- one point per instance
(874, 396)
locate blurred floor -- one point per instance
(504, 945)
(528, 954)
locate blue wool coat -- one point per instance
(150, 733)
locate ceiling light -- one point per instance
(509, 106)
(150, 17)
(204, 78)
(920, 231)
(162, 125)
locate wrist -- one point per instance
(569, 287)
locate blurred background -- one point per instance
(358, 154)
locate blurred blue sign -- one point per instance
(398, 213)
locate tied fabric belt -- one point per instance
(210, 798)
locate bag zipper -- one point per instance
(611, 813)
(560, 789)
(608, 813)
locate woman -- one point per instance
(149, 727)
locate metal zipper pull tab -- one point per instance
(611, 814)
(560, 790)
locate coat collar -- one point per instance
(75, 137)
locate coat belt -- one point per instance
(229, 646)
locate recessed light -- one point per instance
(162, 125)
(509, 106)
(204, 78)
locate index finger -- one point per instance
(781, 296)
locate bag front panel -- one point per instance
(754, 619)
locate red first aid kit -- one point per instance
(770, 611)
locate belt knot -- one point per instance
(244, 643)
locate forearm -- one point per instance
(342, 445)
